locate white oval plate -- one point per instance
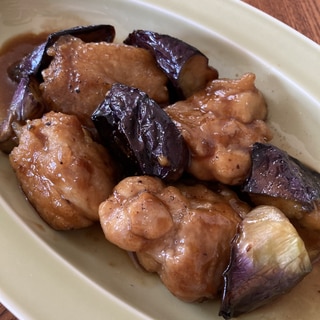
(48, 275)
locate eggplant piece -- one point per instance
(20, 97)
(26, 102)
(141, 134)
(38, 59)
(268, 258)
(281, 180)
(28, 65)
(185, 66)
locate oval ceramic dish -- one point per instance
(47, 274)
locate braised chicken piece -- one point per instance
(80, 75)
(182, 232)
(63, 172)
(220, 124)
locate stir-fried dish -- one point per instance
(175, 163)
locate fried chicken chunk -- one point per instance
(63, 172)
(80, 75)
(182, 232)
(220, 124)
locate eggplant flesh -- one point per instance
(26, 102)
(268, 258)
(140, 134)
(185, 66)
(281, 180)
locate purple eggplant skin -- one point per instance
(268, 258)
(185, 66)
(26, 104)
(28, 65)
(38, 60)
(279, 179)
(140, 134)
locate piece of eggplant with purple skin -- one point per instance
(38, 59)
(268, 258)
(185, 66)
(141, 134)
(26, 102)
(278, 179)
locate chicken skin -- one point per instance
(220, 124)
(182, 232)
(81, 74)
(63, 172)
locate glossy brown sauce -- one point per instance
(12, 51)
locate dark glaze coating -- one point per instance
(141, 133)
